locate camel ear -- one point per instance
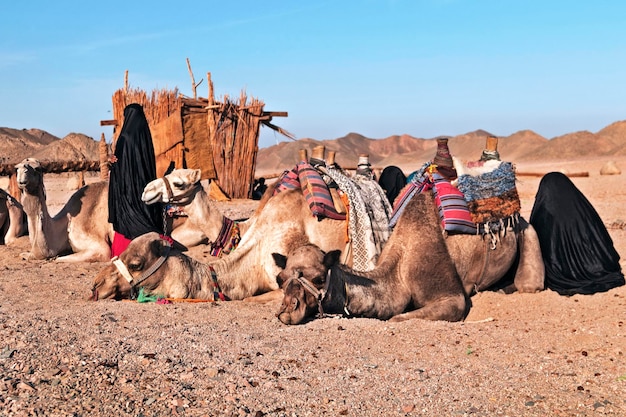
(331, 258)
(197, 175)
(156, 247)
(280, 260)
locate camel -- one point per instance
(13, 222)
(183, 189)
(79, 232)
(414, 277)
(159, 267)
(479, 264)
(272, 228)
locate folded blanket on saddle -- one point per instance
(368, 217)
(314, 189)
(453, 210)
(418, 182)
(491, 196)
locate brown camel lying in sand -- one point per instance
(414, 276)
(281, 217)
(12, 219)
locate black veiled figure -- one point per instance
(392, 180)
(577, 249)
(134, 166)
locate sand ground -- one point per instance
(515, 355)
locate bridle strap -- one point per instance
(168, 187)
(312, 289)
(170, 194)
(123, 270)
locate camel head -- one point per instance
(140, 255)
(303, 279)
(29, 175)
(179, 186)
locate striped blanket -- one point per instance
(314, 189)
(454, 211)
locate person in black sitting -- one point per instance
(577, 249)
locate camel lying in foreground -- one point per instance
(414, 276)
(160, 268)
(13, 222)
(274, 228)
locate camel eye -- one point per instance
(135, 265)
(319, 280)
(178, 184)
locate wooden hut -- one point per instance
(220, 137)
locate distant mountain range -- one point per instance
(410, 153)
(405, 151)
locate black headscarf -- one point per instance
(392, 180)
(135, 167)
(577, 249)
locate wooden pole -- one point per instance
(193, 80)
(104, 158)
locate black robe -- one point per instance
(134, 169)
(577, 249)
(392, 180)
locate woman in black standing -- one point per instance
(133, 166)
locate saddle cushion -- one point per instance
(314, 189)
(453, 209)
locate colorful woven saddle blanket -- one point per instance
(453, 210)
(315, 190)
(365, 207)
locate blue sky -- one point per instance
(378, 68)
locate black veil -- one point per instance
(135, 167)
(577, 249)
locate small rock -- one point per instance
(610, 168)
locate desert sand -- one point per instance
(515, 355)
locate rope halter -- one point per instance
(312, 289)
(123, 270)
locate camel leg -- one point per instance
(16, 225)
(530, 274)
(451, 308)
(268, 297)
(102, 255)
